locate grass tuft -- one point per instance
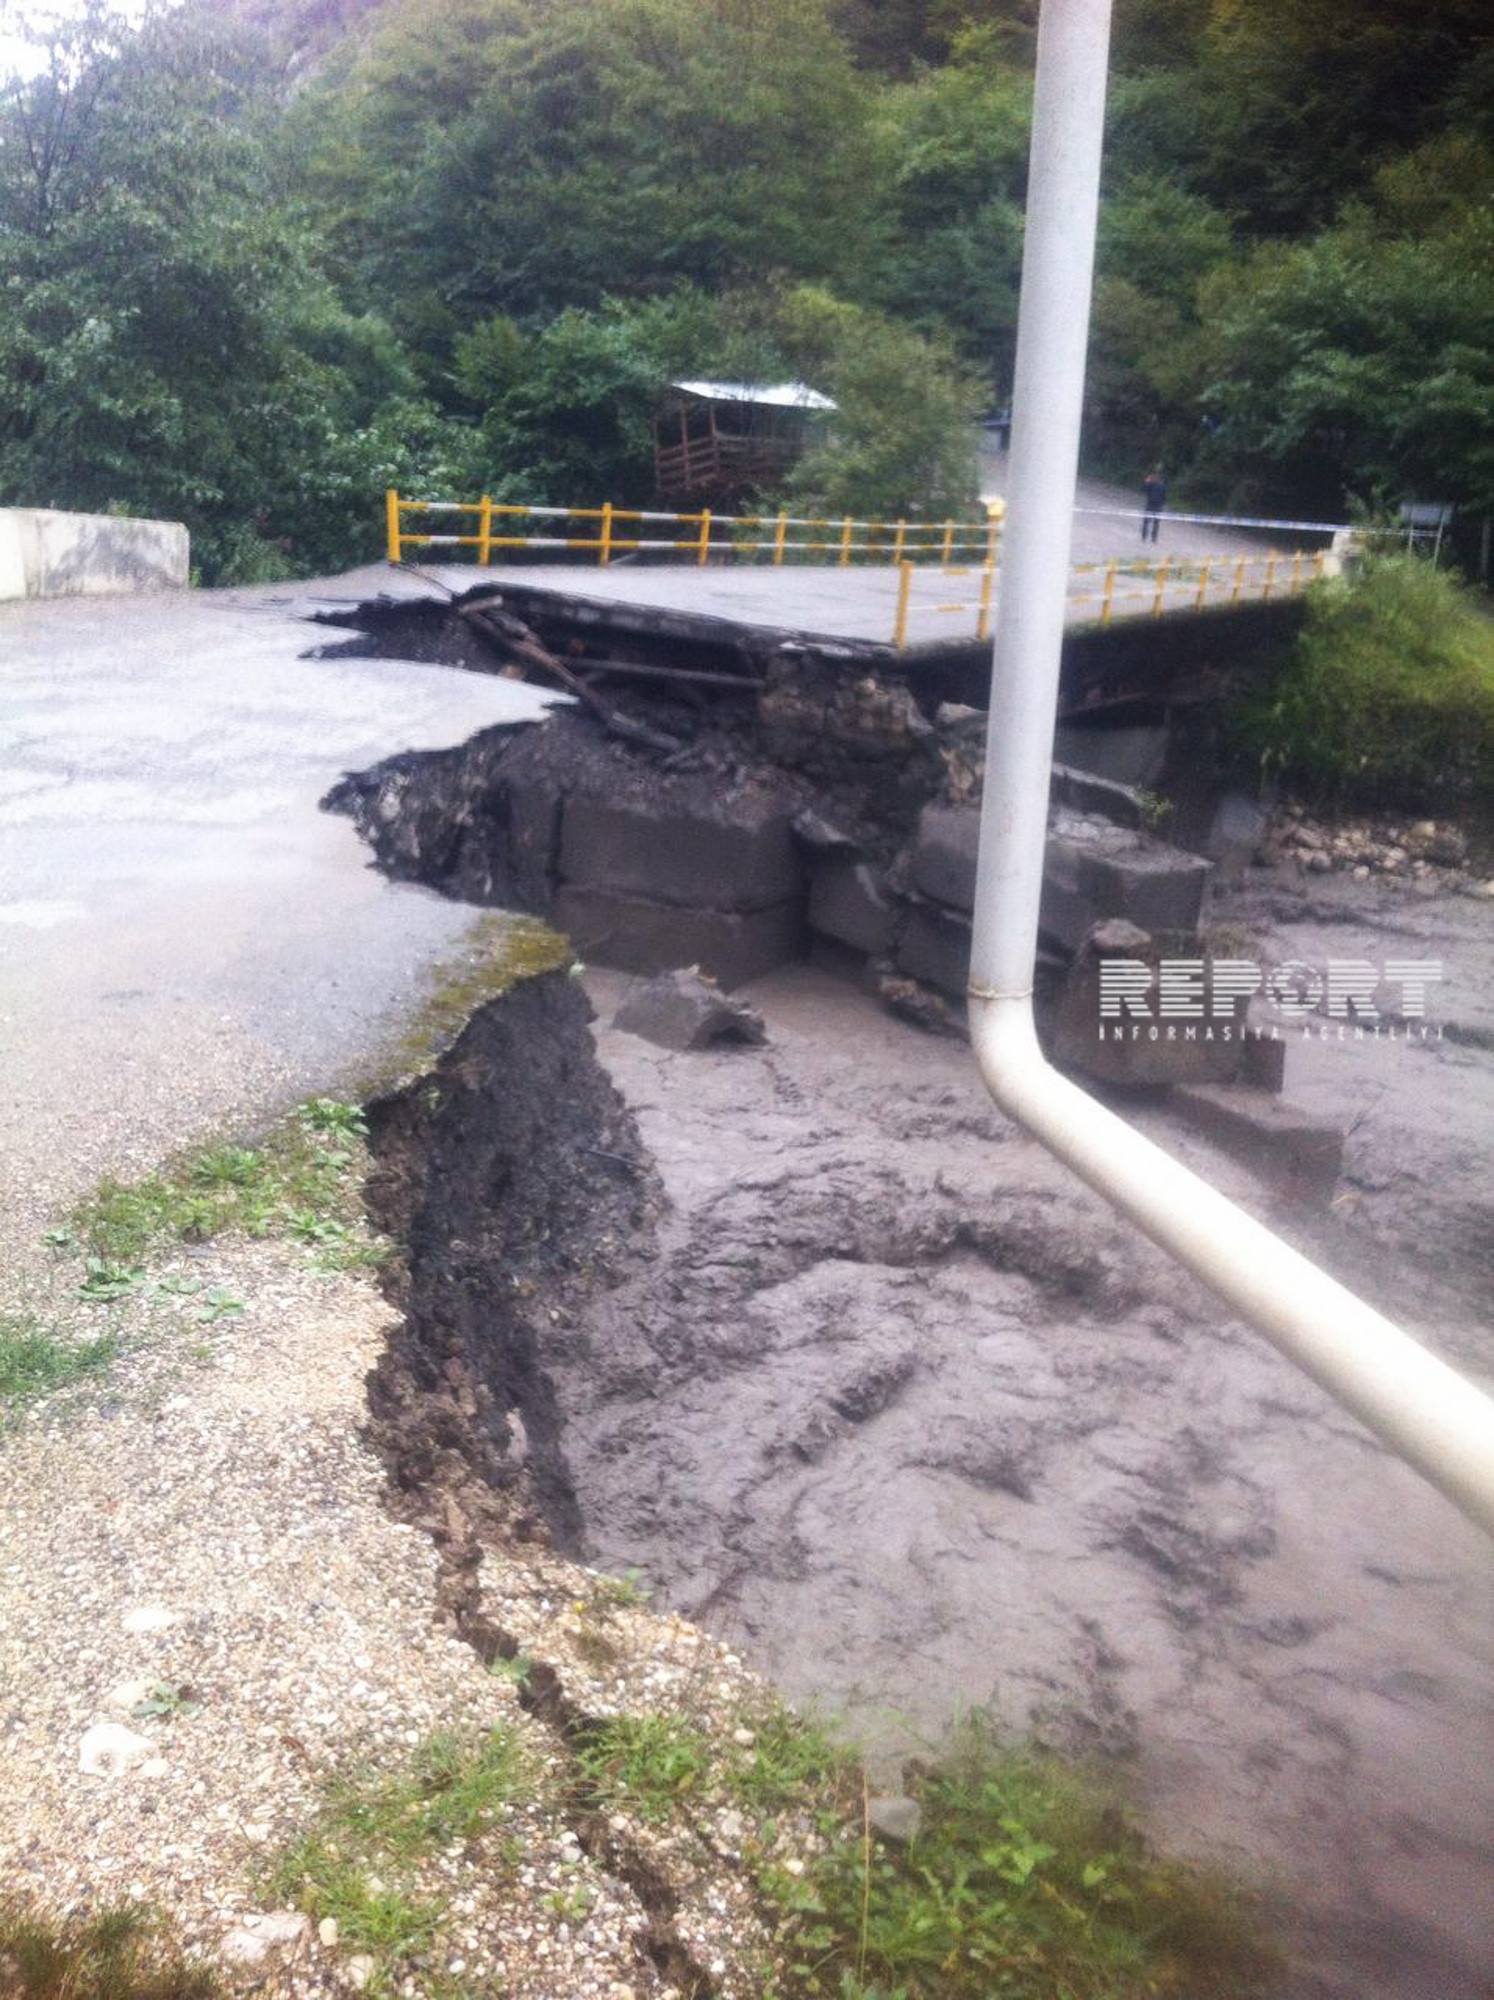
(119, 1954)
(453, 1791)
(359, 1860)
(34, 1362)
(788, 1761)
(303, 1181)
(646, 1764)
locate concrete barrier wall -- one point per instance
(44, 553)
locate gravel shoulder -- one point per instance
(210, 1524)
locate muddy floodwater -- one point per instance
(855, 1374)
(898, 1404)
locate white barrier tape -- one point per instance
(1221, 520)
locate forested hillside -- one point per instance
(259, 258)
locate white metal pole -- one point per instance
(1424, 1409)
(1047, 395)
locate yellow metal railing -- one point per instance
(1175, 583)
(1118, 588)
(926, 556)
(604, 532)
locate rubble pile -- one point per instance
(1427, 851)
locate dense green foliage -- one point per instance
(259, 258)
(1389, 694)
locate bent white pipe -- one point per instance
(1421, 1407)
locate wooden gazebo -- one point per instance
(716, 443)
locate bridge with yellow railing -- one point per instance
(904, 584)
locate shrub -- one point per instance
(1389, 694)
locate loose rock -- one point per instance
(686, 1010)
(109, 1750)
(895, 1818)
(251, 1941)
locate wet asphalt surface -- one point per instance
(186, 942)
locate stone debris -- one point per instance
(688, 1010)
(894, 1818)
(1297, 1154)
(1428, 851)
(148, 1618)
(128, 1696)
(110, 1750)
(254, 1937)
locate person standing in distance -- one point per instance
(1153, 499)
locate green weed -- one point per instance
(573, 1905)
(645, 1764)
(168, 1703)
(389, 1923)
(788, 1762)
(356, 1862)
(627, 1589)
(517, 1669)
(1154, 807)
(453, 1791)
(1021, 1883)
(103, 1282)
(302, 1181)
(219, 1304)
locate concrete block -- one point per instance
(684, 1010)
(1093, 869)
(847, 902)
(1298, 1156)
(45, 552)
(1064, 913)
(1236, 832)
(641, 936)
(521, 824)
(743, 861)
(1135, 756)
(935, 948)
(1138, 1053)
(945, 849)
(1159, 887)
(1265, 1063)
(1085, 792)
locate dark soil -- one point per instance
(515, 1180)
